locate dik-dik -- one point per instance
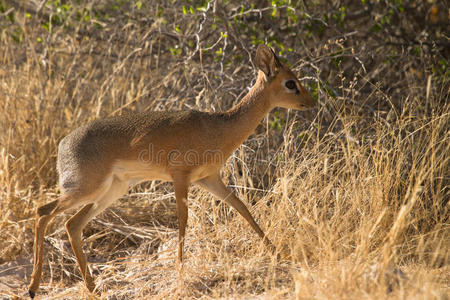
(98, 162)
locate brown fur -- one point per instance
(97, 162)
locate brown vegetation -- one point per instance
(353, 194)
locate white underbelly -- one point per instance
(135, 171)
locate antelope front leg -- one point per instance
(215, 186)
(74, 228)
(181, 186)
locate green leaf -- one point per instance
(175, 51)
(46, 26)
(138, 4)
(10, 17)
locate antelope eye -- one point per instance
(290, 84)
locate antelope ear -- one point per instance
(267, 61)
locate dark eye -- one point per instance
(290, 84)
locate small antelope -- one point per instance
(99, 161)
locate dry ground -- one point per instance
(354, 194)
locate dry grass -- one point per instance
(353, 194)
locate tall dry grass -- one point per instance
(354, 194)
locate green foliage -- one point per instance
(337, 57)
(15, 32)
(140, 5)
(277, 123)
(339, 16)
(175, 51)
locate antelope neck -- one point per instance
(243, 118)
